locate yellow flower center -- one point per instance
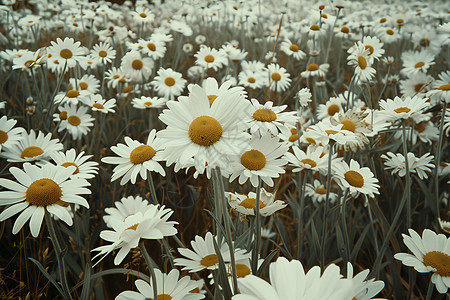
(133, 227)
(142, 154)
(3, 136)
(98, 105)
(143, 15)
(314, 27)
(402, 110)
(205, 131)
(362, 62)
(438, 260)
(330, 131)
(293, 48)
(348, 125)
(276, 76)
(74, 120)
(169, 81)
(72, 94)
(400, 21)
(209, 58)
(309, 161)
(293, 138)
(390, 32)
(68, 164)
(332, 109)
(321, 190)
(382, 20)
(253, 160)
(127, 89)
(313, 67)
(209, 260)
(137, 64)
(251, 80)
(311, 141)
(63, 115)
(354, 178)
(211, 99)
(420, 64)
(31, 151)
(102, 53)
(418, 87)
(242, 270)
(251, 203)
(264, 115)
(148, 103)
(65, 53)
(345, 29)
(370, 49)
(444, 87)
(424, 42)
(43, 192)
(163, 297)
(151, 46)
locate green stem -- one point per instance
(150, 264)
(438, 159)
(408, 178)
(325, 209)
(59, 259)
(257, 228)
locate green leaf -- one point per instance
(47, 275)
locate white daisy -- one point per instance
(318, 192)
(136, 158)
(148, 102)
(32, 147)
(415, 61)
(363, 289)
(406, 108)
(431, 253)
(263, 158)
(103, 53)
(356, 179)
(66, 53)
(86, 83)
(168, 83)
(97, 103)
(279, 78)
(83, 168)
(39, 189)
(127, 206)
(75, 120)
(211, 58)
(136, 67)
(9, 135)
(155, 49)
(314, 159)
(420, 165)
(245, 204)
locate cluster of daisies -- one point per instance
(240, 91)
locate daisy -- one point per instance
(245, 204)
(136, 158)
(126, 233)
(71, 97)
(415, 62)
(314, 159)
(266, 117)
(304, 97)
(323, 132)
(207, 133)
(420, 165)
(204, 255)
(425, 131)
(318, 192)
(430, 254)
(210, 58)
(354, 121)
(356, 179)
(290, 281)
(292, 50)
(32, 147)
(155, 49)
(97, 103)
(253, 80)
(331, 107)
(127, 206)
(405, 108)
(388, 35)
(29, 60)
(169, 286)
(9, 135)
(416, 84)
(180, 27)
(213, 90)
(103, 52)
(372, 44)
(314, 69)
(148, 102)
(279, 78)
(143, 15)
(86, 83)
(363, 64)
(39, 189)
(136, 67)
(83, 168)
(263, 158)
(66, 52)
(441, 87)
(75, 120)
(115, 76)
(362, 288)
(168, 83)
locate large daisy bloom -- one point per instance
(263, 158)
(32, 147)
(406, 108)
(431, 253)
(265, 117)
(245, 204)
(204, 255)
(83, 168)
(136, 158)
(127, 206)
(207, 133)
(8, 134)
(65, 54)
(441, 87)
(356, 179)
(288, 280)
(279, 78)
(211, 58)
(136, 67)
(169, 286)
(362, 62)
(168, 83)
(126, 233)
(37, 189)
